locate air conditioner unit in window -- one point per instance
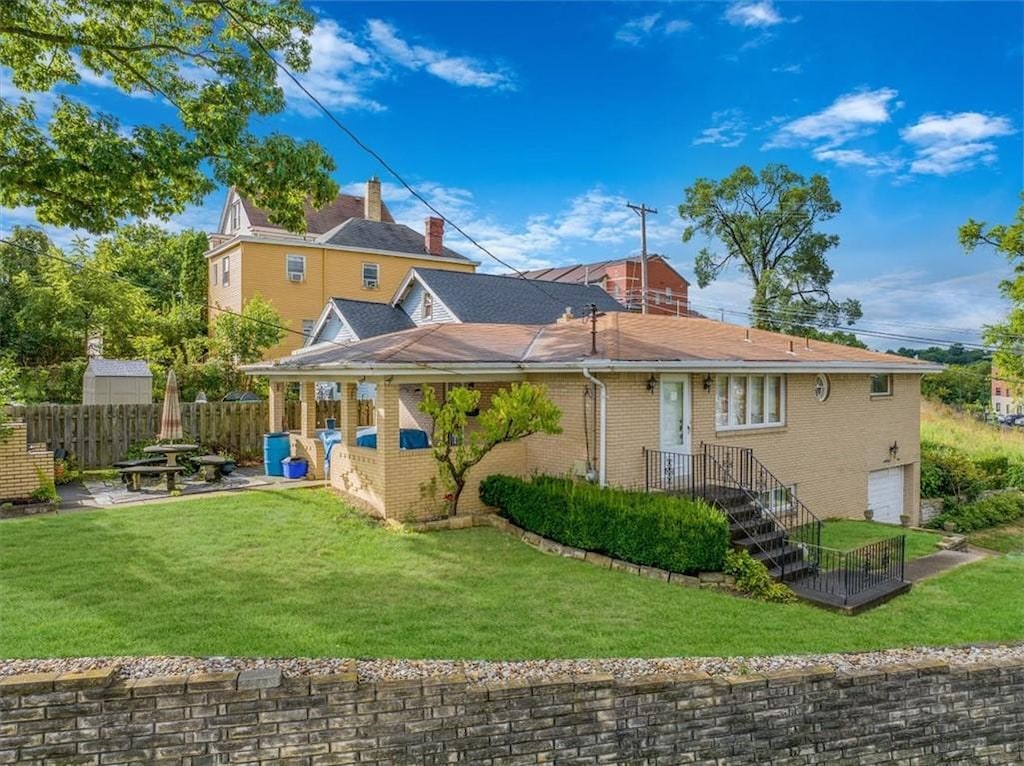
(296, 276)
(370, 284)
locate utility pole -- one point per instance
(642, 210)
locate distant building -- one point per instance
(668, 291)
(1006, 396)
(117, 381)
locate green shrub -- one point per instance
(1015, 475)
(47, 492)
(949, 472)
(652, 530)
(989, 511)
(753, 579)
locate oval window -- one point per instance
(822, 387)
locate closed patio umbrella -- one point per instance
(170, 420)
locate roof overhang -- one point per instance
(349, 369)
(289, 242)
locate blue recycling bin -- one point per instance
(294, 467)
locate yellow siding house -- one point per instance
(352, 249)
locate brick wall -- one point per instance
(21, 464)
(924, 713)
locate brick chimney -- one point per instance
(434, 236)
(371, 202)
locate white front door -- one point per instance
(675, 413)
(885, 494)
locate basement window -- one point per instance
(749, 401)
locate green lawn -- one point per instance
(1006, 538)
(296, 573)
(845, 534)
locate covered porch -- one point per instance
(385, 463)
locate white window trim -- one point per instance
(225, 271)
(362, 275)
(881, 395)
(288, 271)
(755, 426)
(427, 310)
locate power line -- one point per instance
(373, 153)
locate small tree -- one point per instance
(515, 413)
(243, 338)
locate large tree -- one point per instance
(84, 169)
(1007, 336)
(767, 226)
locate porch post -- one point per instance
(349, 415)
(307, 416)
(387, 417)
(277, 406)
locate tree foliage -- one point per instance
(767, 224)
(961, 386)
(955, 354)
(84, 169)
(242, 338)
(514, 413)
(1007, 336)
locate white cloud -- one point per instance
(728, 129)
(761, 13)
(849, 116)
(458, 70)
(676, 26)
(954, 142)
(789, 69)
(340, 73)
(638, 30)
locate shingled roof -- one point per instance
(624, 340)
(343, 208)
(495, 298)
(592, 272)
(119, 368)
(368, 319)
(392, 237)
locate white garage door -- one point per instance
(885, 494)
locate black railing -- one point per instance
(759, 504)
(846, 574)
(771, 494)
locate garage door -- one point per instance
(885, 494)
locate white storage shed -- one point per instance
(117, 381)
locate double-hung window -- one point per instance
(749, 401)
(225, 270)
(295, 267)
(428, 305)
(371, 276)
(213, 274)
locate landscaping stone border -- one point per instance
(926, 712)
(707, 580)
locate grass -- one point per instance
(944, 425)
(845, 534)
(297, 573)
(1006, 538)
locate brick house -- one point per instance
(1006, 397)
(838, 426)
(668, 291)
(352, 249)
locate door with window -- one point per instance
(675, 422)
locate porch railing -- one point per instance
(776, 498)
(846, 574)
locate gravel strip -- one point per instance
(484, 671)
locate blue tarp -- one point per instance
(329, 439)
(408, 438)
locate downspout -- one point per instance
(602, 431)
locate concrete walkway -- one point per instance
(939, 562)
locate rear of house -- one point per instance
(837, 426)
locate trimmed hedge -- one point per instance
(987, 512)
(647, 529)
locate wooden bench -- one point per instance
(133, 474)
(210, 465)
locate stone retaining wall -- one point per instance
(923, 713)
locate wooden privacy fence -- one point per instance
(98, 435)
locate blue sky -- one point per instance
(531, 124)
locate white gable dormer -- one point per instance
(330, 329)
(415, 297)
(233, 220)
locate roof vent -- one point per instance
(567, 316)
